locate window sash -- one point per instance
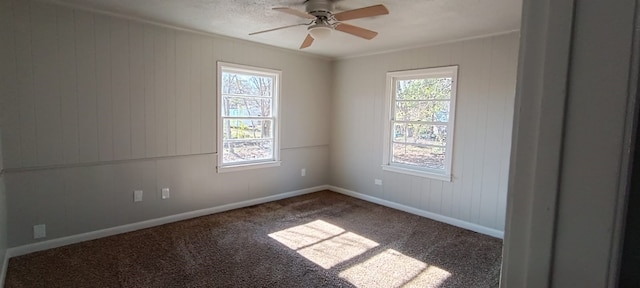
(444, 172)
(265, 146)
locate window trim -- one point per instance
(390, 99)
(275, 111)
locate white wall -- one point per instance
(484, 115)
(96, 106)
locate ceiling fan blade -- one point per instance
(295, 12)
(356, 31)
(274, 29)
(307, 42)
(370, 11)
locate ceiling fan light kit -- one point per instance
(324, 20)
(320, 31)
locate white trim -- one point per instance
(418, 173)
(537, 142)
(54, 243)
(425, 45)
(276, 75)
(242, 167)
(434, 216)
(389, 110)
(143, 20)
(100, 163)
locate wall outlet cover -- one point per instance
(303, 172)
(165, 193)
(377, 181)
(39, 231)
(137, 195)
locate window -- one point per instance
(420, 114)
(247, 117)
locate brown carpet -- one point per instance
(322, 239)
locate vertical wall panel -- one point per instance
(149, 92)
(68, 84)
(171, 93)
(9, 115)
(103, 87)
(467, 113)
(511, 73)
(195, 77)
(136, 89)
(183, 105)
(46, 89)
(435, 196)
(120, 82)
(483, 93)
(160, 51)
(498, 93)
(86, 87)
(208, 104)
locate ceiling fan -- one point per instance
(323, 20)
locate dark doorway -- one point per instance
(630, 263)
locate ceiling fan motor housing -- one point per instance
(319, 8)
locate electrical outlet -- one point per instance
(39, 231)
(303, 172)
(137, 196)
(377, 182)
(165, 193)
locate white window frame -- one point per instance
(262, 163)
(392, 78)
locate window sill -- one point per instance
(419, 173)
(250, 166)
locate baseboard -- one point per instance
(451, 221)
(54, 243)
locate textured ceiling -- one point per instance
(410, 22)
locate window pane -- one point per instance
(247, 129)
(247, 150)
(246, 84)
(423, 157)
(399, 132)
(431, 111)
(421, 134)
(235, 106)
(424, 89)
(431, 134)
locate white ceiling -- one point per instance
(409, 23)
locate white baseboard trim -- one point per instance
(54, 243)
(445, 219)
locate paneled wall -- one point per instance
(484, 115)
(3, 212)
(96, 106)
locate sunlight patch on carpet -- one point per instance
(323, 243)
(391, 268)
